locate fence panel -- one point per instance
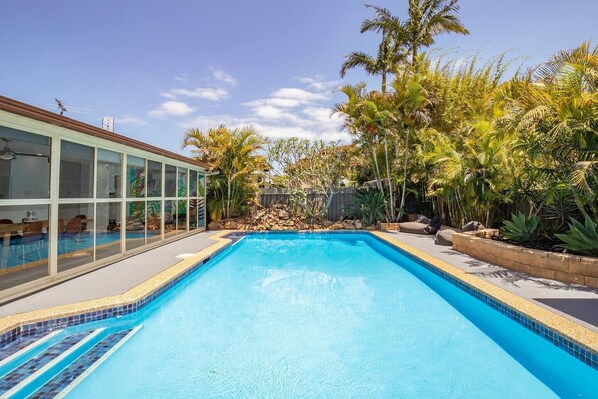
(340, 201)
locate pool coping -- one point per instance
(574, 338)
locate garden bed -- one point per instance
(562, 267)
(544, 244)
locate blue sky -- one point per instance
(161, 67)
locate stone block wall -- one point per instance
(561, 267)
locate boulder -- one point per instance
(214, 226)
(358, 224)
(327, 223)
(231, 225)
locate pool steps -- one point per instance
(54, 364)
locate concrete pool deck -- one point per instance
(111, 280)
(576, 303)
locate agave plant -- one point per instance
(581, 238)
(521, 228)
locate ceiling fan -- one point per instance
(6, 154)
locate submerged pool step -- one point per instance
(23, 346)
(61, 384)
(30, 369)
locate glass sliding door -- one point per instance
(76, 170)
(24, 244)
(108, 229)
(135, 177)
(109, 175)
(181, 225)
(154, 179)
(135, 227)
(24, 165)
(75, 235)
(154, 221)
(170, 181)
(170, 217)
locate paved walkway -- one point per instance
(111, 280)
(573, 301)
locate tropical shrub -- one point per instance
(581, 238)
(371, 205)
(236, 155)
(522, 228)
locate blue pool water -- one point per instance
(328, 316)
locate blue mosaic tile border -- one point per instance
(57, 324)
(57, 384)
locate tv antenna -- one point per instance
(61, 107)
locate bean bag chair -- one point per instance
(414, 228)
(444, 237)
(472, 226)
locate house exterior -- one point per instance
(74, 197)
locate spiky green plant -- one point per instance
(521, 228)
(581, 238)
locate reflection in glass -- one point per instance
(181, 224)
(193, 214)
(75, 235)
(192, 183)
(108, 233)
(201, 212)
(135, 177)
(135, 228)
(109, 174)
(23, 244)
(154, 179)
(201, 185)
(170, 181)
(24, 164)
(182, 179)
(169, 218)
(154, 221)
(76, 170)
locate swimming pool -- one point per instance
(326, 315)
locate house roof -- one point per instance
(29, 111)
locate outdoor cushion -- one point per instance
(423, 219)
(472, 226)
(444, 237)
(414, 228)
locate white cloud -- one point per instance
(130, 120)
(318, 83)
(206, 93)
(224, 77)
(275, 102)
(182, 78)
(171, 108)
(299, 94)
(286, 112)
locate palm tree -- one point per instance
(235, 153)
(556, 106)
(411, 101)
(430, 18)
(367, 118)
(391, 51)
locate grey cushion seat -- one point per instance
(414, 228)
(444, 237)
